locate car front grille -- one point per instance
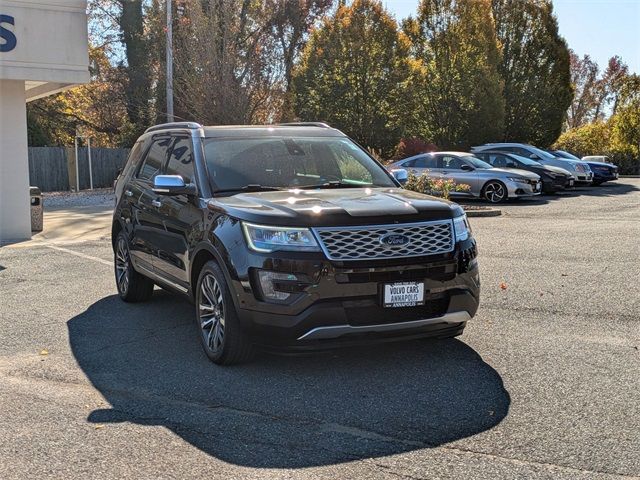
(367, 242)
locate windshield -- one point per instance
(286, 162)
(476, 162)
(525, 160)
(567, 155)
(542, 154)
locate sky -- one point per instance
(599, 28)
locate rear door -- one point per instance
(424, 164)
(180, 215)
(146, 220)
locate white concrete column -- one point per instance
(15, 209)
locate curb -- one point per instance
(629, 176)
(491, 212)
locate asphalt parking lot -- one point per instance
(544, 383)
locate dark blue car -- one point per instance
(602, 171)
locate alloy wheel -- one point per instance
(123, 262)
(495, 192)
(211, 313)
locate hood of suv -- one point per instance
(335, 207)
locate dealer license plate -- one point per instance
(403, 294)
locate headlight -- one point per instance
(262, 238)
(518, 179)
(461, 228)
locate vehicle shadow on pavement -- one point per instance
(281, 411)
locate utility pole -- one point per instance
(169, 62)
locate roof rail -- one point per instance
(305, 124)
(166, 126)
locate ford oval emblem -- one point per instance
(394, 240)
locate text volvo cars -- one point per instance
(288, 236)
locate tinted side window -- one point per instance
(181, 160)
(428, 161)
(133, 160)
(453, 163)
(410, 163)
(155, 159)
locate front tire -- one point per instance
(132, 286)
(495, 192)
(221, 337)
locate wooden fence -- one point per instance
(49, 167)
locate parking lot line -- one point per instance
(78, 254)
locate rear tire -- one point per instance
(132, 286)
(221, 337)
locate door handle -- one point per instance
(128, 193)
(156, 203)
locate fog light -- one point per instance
(268, 281)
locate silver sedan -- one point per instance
(493, 184)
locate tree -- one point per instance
(586, 85)
(610, 86)
(626, 121)
(138, 87)
(225, 63)
(535, 69)
(290, 23)
(354, 73)
(97, 109)
(458, 90)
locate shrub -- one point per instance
(438, 187)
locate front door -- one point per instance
(181, 217)
(451, 169)
(145, 216)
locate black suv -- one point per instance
(288, 236)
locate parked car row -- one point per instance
(497, 172)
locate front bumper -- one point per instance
(340, 303)
(604, 176)
(557, 184)
(584, 178)
(517, 189)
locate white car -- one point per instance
(579, 169)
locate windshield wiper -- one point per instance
(335, 184)
(252, 187)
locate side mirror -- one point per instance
(466, 168)
(172, 185)
(400, 174)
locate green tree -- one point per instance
(458, 89)
(353, 74)
(535, 69)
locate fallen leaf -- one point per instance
(99, 427)
(503, 286)
(564, 275)
(44, 352)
